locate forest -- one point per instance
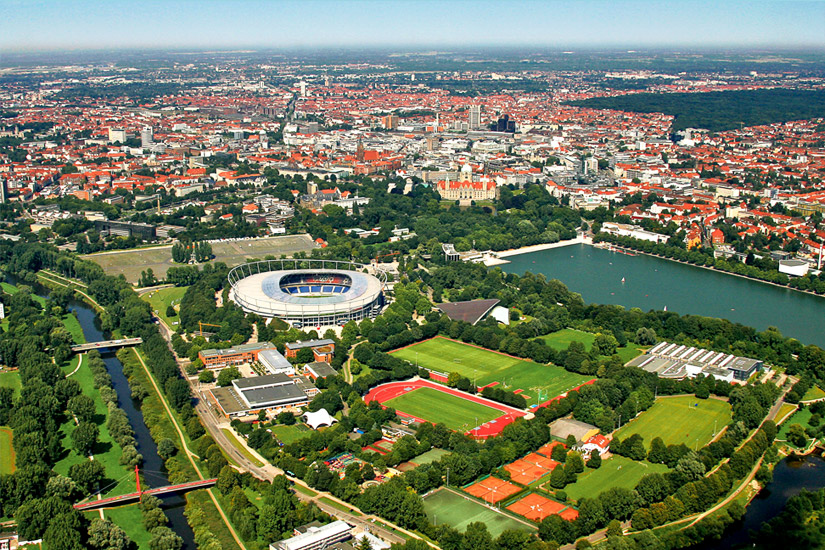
(719, 111)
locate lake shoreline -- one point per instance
(491, 261)
(713, 269)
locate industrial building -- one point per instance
(678, 361)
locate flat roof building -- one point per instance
(272, 391)
(678, 361)
(316, 537)
(322, 350)
(236, 355)
(275, 363)
(319, 369)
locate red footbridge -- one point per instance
(111, 502)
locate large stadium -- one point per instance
(308, 292)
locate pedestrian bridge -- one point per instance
(108, 344)
(132, 497)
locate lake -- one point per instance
(656, 283)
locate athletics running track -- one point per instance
(494, 427)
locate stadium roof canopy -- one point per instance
(471, 311)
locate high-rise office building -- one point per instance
(147, 136)
(4, 191)
(390, 122)
(117, 135)
(475, 117)
(506, 124)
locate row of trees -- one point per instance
(184, 252)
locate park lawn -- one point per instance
(11, 289)
(800, 417)
(107, 452)
(445, 506)
(784, 411)
(230, 435)
(485, 367)
(617, 471)
(11, 379)
(6, 450)
(289, 434)
(130, 519)
(430, 456)
(439, 407)
(682, 419)
(73, 326)
(814, 393)
(161, 299)
(561, 339)
(130, 263)
(630, 351)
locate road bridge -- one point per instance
(108, 344)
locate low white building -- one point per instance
(316, 538)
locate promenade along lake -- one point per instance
(656, 283)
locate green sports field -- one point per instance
(486, 366)
(430, 456)
(437, 406)
(617, 471)
(445, 506)
(562, 339)
(683, 419)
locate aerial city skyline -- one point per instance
(396, 275)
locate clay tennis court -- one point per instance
(570, 514)
(492, 490)
(535, 507)
(524, 472)
(547, 449)
(543, 461)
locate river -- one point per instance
(790, 476)
(155, 471)
(656, 283)
(173, 505)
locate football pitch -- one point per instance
(445, 506)
(617, 471)
(485, 366)
(130, 263)
(682, 419)
(440, 407)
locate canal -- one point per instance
(655, 283)
(172, 505)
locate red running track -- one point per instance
(385, 392)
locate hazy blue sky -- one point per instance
(76, 24)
